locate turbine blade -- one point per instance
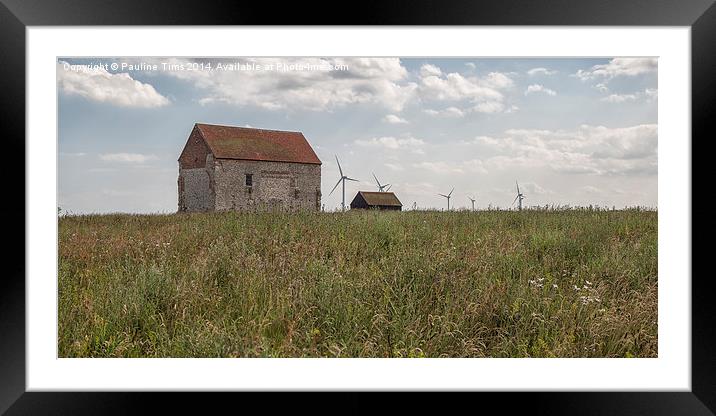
(334, 188)
(351, 179)
(513, 202)
(451, 191)
(518, 187)
(443, 195)
(339, 166)
(388, 188)
(376, 180)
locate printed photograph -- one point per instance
(362, 207)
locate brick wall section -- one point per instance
(195, 151)
(276, 185)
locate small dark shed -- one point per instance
(376, 200)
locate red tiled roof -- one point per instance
(228, 142)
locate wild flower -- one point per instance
(589, 299)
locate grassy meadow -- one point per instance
(564, 283)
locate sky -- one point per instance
(570, 131)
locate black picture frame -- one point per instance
(15, 15)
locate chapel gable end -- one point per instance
(195, 151)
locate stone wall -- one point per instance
(195, 190)
(276, 185)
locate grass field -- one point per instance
(570, 283)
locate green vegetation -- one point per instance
(569, 283)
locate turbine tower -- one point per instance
(473, 202)
(343, 180)
(520, 196)
(448, 197)
(382, 188)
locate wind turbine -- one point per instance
(382, 188)
(448, 198)
(520, 196)
(343, 179)
(473, 202)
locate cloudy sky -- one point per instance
(570, 131)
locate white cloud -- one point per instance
(460, 167)
(310, 86)
(539, 88)
(105, 87)
(450, 112)
(588, 149)
(489, 107)
(428, 70)
(593, 190)
(619, 67)
(393, 119)
(498, 80)
(602, 87)
(481, 94)
(394, 166)
(619, 98)
(439, 167)
(540, 71)
(474, 166)
(487, 140)
(390, 142)
(531, 188)
(419, 188)
(454, 87)
(79, 154)
(126, 157)
(649, 94)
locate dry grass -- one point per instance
(571, 283)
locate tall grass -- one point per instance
(360, 284)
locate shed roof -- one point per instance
(228, 142)
(380, 198)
